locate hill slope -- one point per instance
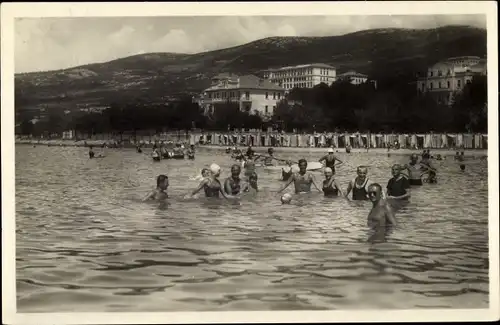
(382, 53)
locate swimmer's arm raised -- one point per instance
(322, 159)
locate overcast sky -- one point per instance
(57, 43)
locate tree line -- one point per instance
(341, 106)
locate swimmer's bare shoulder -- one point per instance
(388, 212)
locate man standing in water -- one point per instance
(398, 187)
(232, 185)
(359, 185)
(381, 213)
(415, 171)
(330, 159)
(302, 180)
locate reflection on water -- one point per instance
(85, 242)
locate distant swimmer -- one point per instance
(269, 159)
(381, 214)
(190, 152)
(249, 166)
(160, 193)
(228, 150)
(91, 153)
(348, 149)
(302, 180)
(330, 186)
(286, 171)
(415, 170)
(250, 153)
(232, 185)
(359, 185)
(237, 154)
(211, 185)
(138, 148)
(439, 157)
(430, 171)
(398, 187)
(461, 159)
(156, 154)
(330, 160)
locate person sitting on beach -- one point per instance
(359, 185)
(381, 214)
(302, 180)
(211, 185)
(160, 193)
(91, 153)
(330, 159)
(232, 185)
(286, 171)
(330, 186)
(398, 187)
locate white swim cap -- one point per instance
(214, 168)
(286, 198)
(330, 150)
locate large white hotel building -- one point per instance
(301, 76)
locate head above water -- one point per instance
(205, 172)
(375, 192)
(235, 170)
(162, 182)
(330, 151)
(414, 158)
(328, 172)
(270, 151)
(362, 172)
(396, 170)
(215, 170)
(302, 163)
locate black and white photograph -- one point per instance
(236, 162)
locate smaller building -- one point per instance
(252, 94)
(356, 78)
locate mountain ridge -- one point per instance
(382, 53)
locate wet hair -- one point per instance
(236, 166)
(362, 168)
(302, 161)
(377, 185)
(204, 170)
(160, 179)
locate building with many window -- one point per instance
(301, 76)
(446, 78)
(253, 94)
(355, 78)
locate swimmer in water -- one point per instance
(302, 180)
(190, 152)
(330, 160)
(330, 187)
(160, 193)
(250, 152)
(415, 170)
(359, 185)
(398, 187)
(249, 166)
(251, 186)
(211, 185)
(381, 214)
(461, 159)
(91, 153)
(232, 185)
(269, 159)
(286, 171)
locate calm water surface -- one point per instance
(85, 242)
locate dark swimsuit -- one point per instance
(91, 154)
(330, 190)
(397, 187)
(330, 163)
(286, 175)
(211, 191)
(359, 193)
(235, 186)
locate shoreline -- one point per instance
(260, 149)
